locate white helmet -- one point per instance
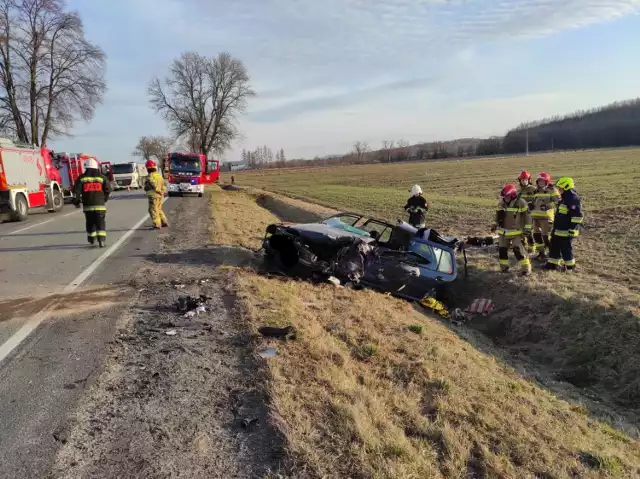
(416, 190)
(91, 163)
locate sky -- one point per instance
(330, 73)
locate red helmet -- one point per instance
(544, 176)
(524, 175)
(509, 191)
(150, 164)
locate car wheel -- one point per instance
(22, 208)
(57, 201)
(200, 195)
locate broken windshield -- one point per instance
(337, 223)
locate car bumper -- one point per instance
(185, 188)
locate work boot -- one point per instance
(101, 242)
(504, 269)
(165, 225)
(542, 256)
(90, 239)
(156, 227)
(526, 272)
(551, 267)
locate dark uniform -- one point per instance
(567, 225)
(92, 189)
(417, 207)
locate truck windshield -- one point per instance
(122, 168)
(186, 163)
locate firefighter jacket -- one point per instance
(513, 218)
(527, 193)
(154, 185)
(417, 207)
(92, 189)
(569, 216)
(544, 202)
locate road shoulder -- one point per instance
(188, 404)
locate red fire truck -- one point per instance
(28, 180)
(71, 165)
(189, 172)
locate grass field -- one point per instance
(581, 328)
(372, 388)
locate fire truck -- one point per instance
(28, 180)
(71, 165)
(189, 172)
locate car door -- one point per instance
(398, 272)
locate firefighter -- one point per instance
(544, 204)
(512, 223)
(156, 189)
(417, 207)
(92, 189)
(527, 192)
(566, 227)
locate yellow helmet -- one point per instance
(565, 183)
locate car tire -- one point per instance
(22, 208)
(57, 201)
(200, 195)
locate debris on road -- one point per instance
(171, 332)
(189, 303)
(272, 332)
(436, 306)
(268, 353)
(480, 306)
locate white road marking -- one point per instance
(40, 224)
(36, 320)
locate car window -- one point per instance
(338, 224)
(350, 220)
(380, 231)
(437, 259)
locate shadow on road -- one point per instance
(215, 256)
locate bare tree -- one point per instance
(144, 148)
(360, 150)
(201, 99)
(51, 74)
(154, 146)
(388, 146)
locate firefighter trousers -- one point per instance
(155, 211)
(541, 234)
(517, 245)
(561, 252)
(96, 225)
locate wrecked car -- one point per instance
(399, 259)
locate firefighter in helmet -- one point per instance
(156, 189)
(417, 207)
(512, 223)
(545, 199)
(527, 192)
(566, 227)
(92, 189)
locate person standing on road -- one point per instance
(417, 207)
(512, 223)
(567, 225)
(92, 189)
(156, 189)
(544, 203)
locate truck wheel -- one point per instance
(199, 195)
(22, 208)
(57, 202)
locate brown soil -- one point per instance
(184, 405)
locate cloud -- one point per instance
(320, 64)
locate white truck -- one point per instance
(28, 181)
(128, 175)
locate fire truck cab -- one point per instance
(71, 166)
(28, 180)
(190, 172)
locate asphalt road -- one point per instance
(48, 358)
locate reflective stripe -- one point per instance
(563, 209)
(102, 234)
(517, 210)
(577, 219)
(92, 234)
(542, 214)
(571, 262)
(89, 179)
(504, 232)
(94, 208)
(554, 261)
(544, 195)
(504, 262)
(566, 234)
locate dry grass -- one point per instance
(582, 328)
(361, 394)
